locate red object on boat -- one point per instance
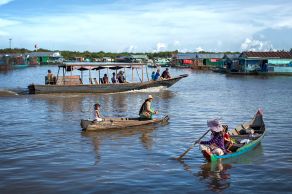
(187, 61)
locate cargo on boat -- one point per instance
(118, 123)
(75, 83)
(246, 136)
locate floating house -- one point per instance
(139, 58)
(39, 58)
(132, 59)
(183, 59)
(231, 61)
(210, 60)
(107, 59)
(279, 62)
(162, 62)
(199, 60)
(14, 60)
(123, 59)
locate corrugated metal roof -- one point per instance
(12, 55)
(44, 54)
(210, 55)
(139, 56)
(199, 56)
(270, 54)
(186, 56)
(232, 56)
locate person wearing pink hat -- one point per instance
(146, 111)
(216, 144)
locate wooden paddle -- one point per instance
(183, 154)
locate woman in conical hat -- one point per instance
(146, 111)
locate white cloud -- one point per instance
(160, 46)
(131, 49)
(3, 2)
(198, 49)
(221, 26)
(256, 45)
(6, 23)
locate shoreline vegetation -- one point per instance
(67, 54)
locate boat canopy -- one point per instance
(83, 66)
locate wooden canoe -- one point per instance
(118, 123)
(101, 88)
(240, 133)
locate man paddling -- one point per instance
(146, 111)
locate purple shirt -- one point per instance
(216, 139)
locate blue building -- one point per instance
(279, 62)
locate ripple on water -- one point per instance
(43, 149)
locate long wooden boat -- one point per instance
(74, 84)
(118, 123)
(241, 134)
(101, 88)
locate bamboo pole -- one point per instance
(142, 73)
(90, 79)
(132, 73)
(99, 76)
(64, 76)
(147, 72)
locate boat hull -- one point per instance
(118, 123)
(245, 148)
(101, 88)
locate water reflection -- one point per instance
(217, 174)
(117, 105)
(144, 133)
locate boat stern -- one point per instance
(31, 89)
(84, 124)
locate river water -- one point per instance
(43, 149)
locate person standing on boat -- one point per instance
(216, 144)
(146, 112)
(157, 75)
(114, 78)
(97, 114)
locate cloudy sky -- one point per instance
(147, 25)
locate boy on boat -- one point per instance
(146, 112)
(97, 114)
(216, 144)
(227, 140)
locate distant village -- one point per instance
(248, 62)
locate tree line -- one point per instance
(86, 54)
